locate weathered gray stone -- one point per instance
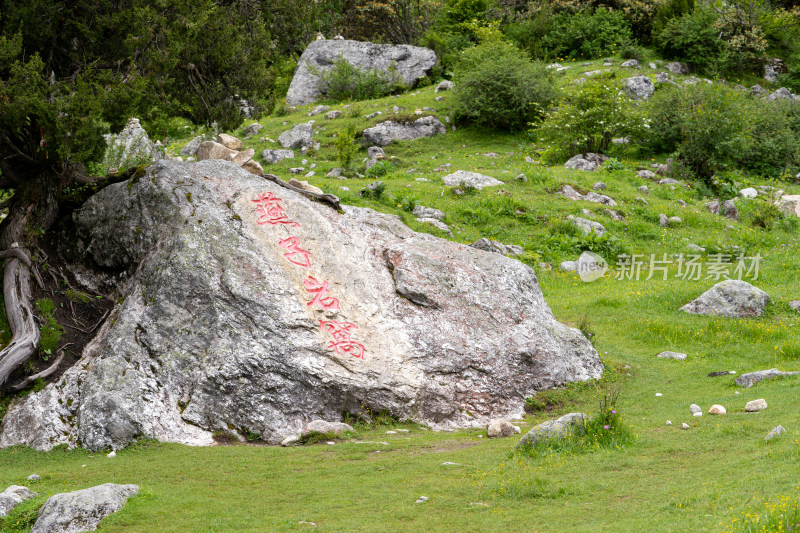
(229, 141)
(663, 220)
(214, 329)
(630, 63)
(790, 205)
(275, 156)
(436, 223)
(410, 62)
(729, 210)
(318, 110)
(639, 87)
(463, 178)
(130, 147)
(243, 157)
(758, 90)
(332, 115)
(253, 129)
(569, 266)
(82, 510)
(643, 189)
(776, 432)
(253, 167)
(192, 146)
(488, 245)
(672, 355)
(714, 206)
(384, 133)
(427, 212)
(569, 192)
(694, 409)
(587, 226)
(589, 162)
(13, 496)
(553, 429)
(322, 426)
(795, 304)
(300, 136)
(375, 152)
(751, 378)
(781, 94)
(445, 85)
(499, 428)
(645, 174)
(730, 298)
(676, 67)
(717, 409)
(599, 186)
(749, 192)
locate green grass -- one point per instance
(667, 479)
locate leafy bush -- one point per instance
(713, 127)
(587, 34)
(379, 169)
(590, 115)
(346, 147)
(499, 87)
(345, 81)
(692, 38)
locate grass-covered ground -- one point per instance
(706, 478)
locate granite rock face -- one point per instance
(247, 308)
(409, 62)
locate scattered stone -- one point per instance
(684, 426)
(717, 409)
(253, 129)
(639, 87)
(749, 192)
(427, 212)
(663, 220)
(613, 214)
(275, 156)
(291, 440)
(659, 395)
(445, 85)
(569, 192)
(523, 178)
(729, 210)
(438, 224)
(463, 178)
(755, 406)
(694, 408)
(682, 203)
(697, 414)
(777, 431)
(82, 510)
(719, 373)
(300, 184)
(331, 115)
(675, 221)
(758, 90)
(588, 162)
(130, 147)
(422, 499)
(713, 207)
(781, 94)
(488, 245)
(192, 146)
(676, 67)
(112, 454)
(643, 189)
(729, 298)
(318, 110)
(552, 429)
(229, 141)
(587, 226)
(297, 170)
(243, 157)
(790, 205)
(663, 77)
(751, 378)
(630, 63)
(375, 152)
(669, 422)
(384, 133)
(300, 136)
(253, 167)
(599, 186)
(213, 150)
(322, 426)
(374, 114)
(645, 174)
(13, 496)
(34, 477)
(569, 266)
(669, 181)
(499, 428)
(672, 355)
(795, 304)
(409, 62)
(450, 463)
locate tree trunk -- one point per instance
(33, 208)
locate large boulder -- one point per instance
(384, 133)
(465, 178)
(552, 429)
(639, 87)
(789, 204)
(300, 136)
(82, 510)
(130, 147)
(410, 62)
(247, 308)
(730, 298)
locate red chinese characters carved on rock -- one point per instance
(271, 211)
(296, 255)
(320, 291)
(340, 331)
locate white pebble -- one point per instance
(669, 422)
(659, 395)
(684, 426)
(112, 454)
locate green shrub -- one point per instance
(528, 32)
(705, 124)
(773, 140)
(692, 38)
(345, 81)
(51, 330)
(346, 147)
(587, 34)
(497, 86)
(590, 115)
(379, 169)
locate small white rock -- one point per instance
(756, 405)
(391, 433)
(669, 422)
(717, 409)
(694, 408)
(684, 426)
(697, 414)
(112, 454)
(659, 395)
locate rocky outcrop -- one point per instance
(246, 308)
(130, 147)
(13, 496)
(639, 87)
(751, 378)
(589, 162)
(409, 62)
(82, 510)
(384, 133)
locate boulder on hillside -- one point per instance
(676, 67)
(275, 156)
(589, 162)
(213, 150)
(300, 136)
(639, 87)
(751, 378)
(384, 133)
(789, 204)
(13, 496)
(410, 62)
(552, 429)
(464, 178)
(130, 147)
(82, 510)
(730, 298)
(192, 146)
(247, 308)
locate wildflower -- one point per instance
(606, 426)
(613, 411)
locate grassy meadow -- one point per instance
(715, 476)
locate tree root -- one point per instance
(26, 335)
(49, 371)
